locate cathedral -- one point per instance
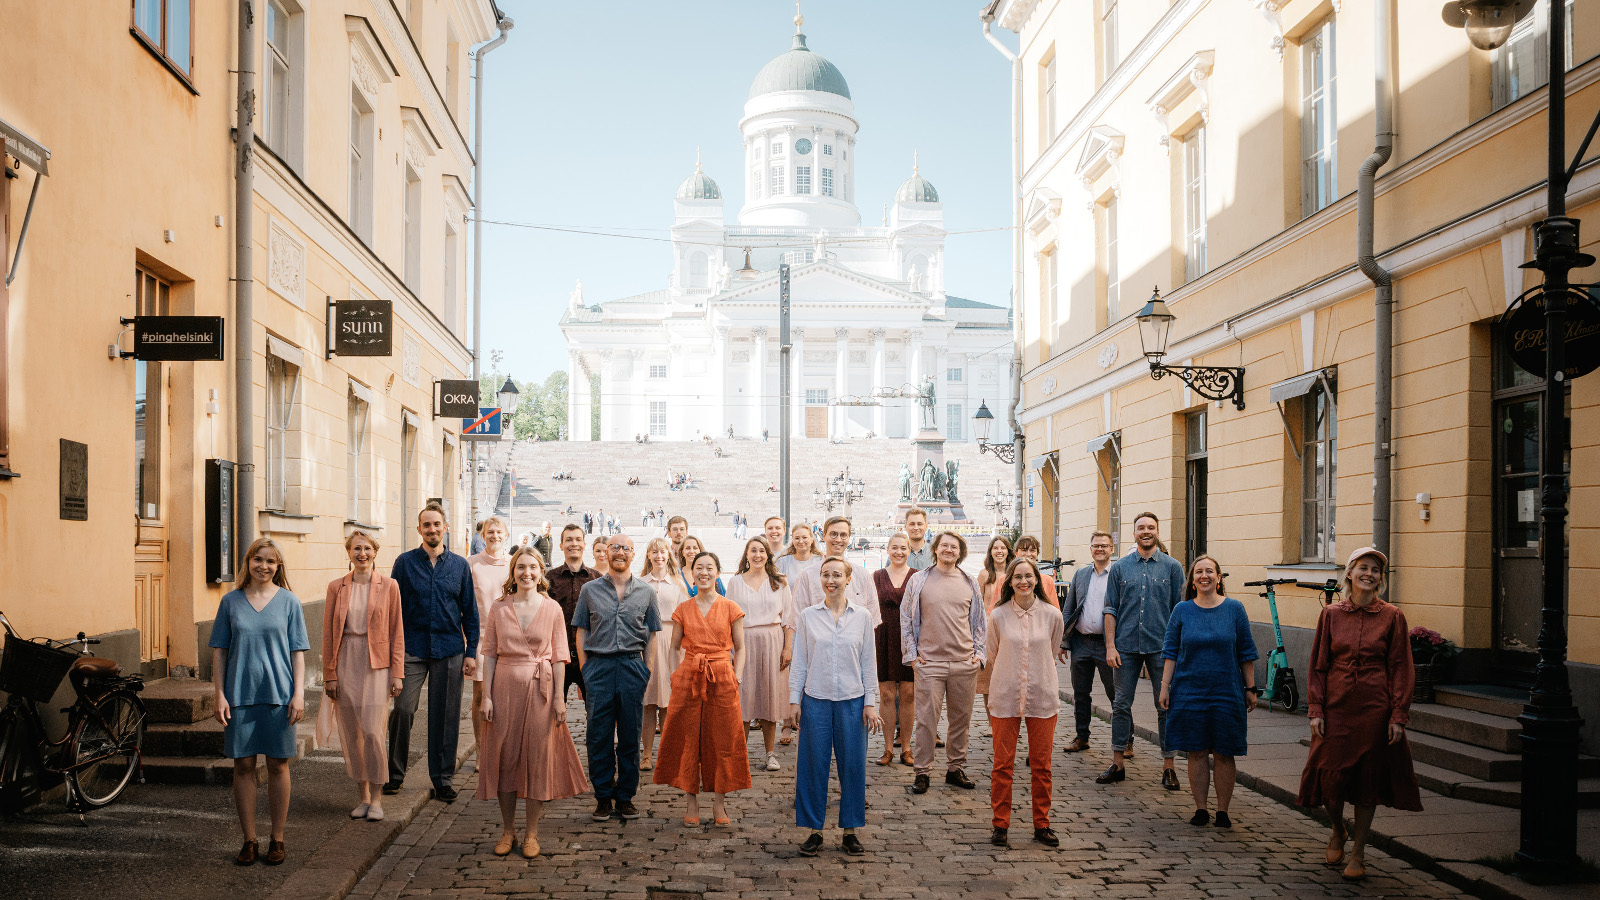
(872, 326)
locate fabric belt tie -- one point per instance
(701, 669)
(543, 672)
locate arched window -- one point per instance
(697, 272)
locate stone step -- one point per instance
(1509, 793)
(1442, 781)
(1485, 698)
(1478, 762)
(195, 739)
(178, 700)
(1468, 726)
(190, 770)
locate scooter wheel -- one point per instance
(1288, 693)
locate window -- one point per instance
(777, 181)
(1318, 475)
(802, 179)
(952, 374)
(658, 371)
(151, 297)
(167, 28)
(447, 469)
(1108, 37)
(1195, 484)
(358, 464)
(1194, 203)
(826, 188)
(1113, 284)
(451, 264)
(1107, 453)
(283, 393)
(361, 161)
(953, 421)
(411, 230)
(844, 180)
(697, 271)
(777, 149)
(276, 72)
(1052, 265)
(1050, 100)
(408, 468)
(658, 417)
(827, 149)
(817, 397)
(1522, 65)
(755, 181)
(1319, 126)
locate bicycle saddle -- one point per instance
(88, 668)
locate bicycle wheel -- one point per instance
(106, 749)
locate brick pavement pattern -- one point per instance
(1127, 840)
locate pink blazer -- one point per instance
(386, 643)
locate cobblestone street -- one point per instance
(1129, 840)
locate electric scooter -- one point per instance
(1281, 686)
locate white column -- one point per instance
(941, 389)
(877, 379)
(608, 387)
(758, 371)
(840, 382)
(577, 394)
(797, 387)
(914, 377)
(719, 371)
(638, 408)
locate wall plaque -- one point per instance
(219, 521)
(74, 481)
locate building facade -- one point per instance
(1211, 149)
(359, 181)
(870, 313)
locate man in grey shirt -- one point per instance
(1084, 644)
(917, 531)
(616, 619)
(1141, 590)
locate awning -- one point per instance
(1042, 460)
(360, 391)
(1112, 439)
(1301, 385)
(33, 154)
(411, 419)
(286, 351)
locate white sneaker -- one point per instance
(772, 763)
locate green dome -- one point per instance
(799, 70)
(916, 189)
(699, 186)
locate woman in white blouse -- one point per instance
(833, 687)
(801, 554)
(769, 626)
(1024, 631)
(658, 572)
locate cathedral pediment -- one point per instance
(821, 283)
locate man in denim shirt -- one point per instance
(440, 614)
(1141, 591)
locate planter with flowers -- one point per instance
(1431, 653)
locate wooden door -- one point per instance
(816, 421)
(150, 440)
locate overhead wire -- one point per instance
(805, 244)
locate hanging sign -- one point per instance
(1524, 332)
(458, 398)
(362, 328)
(177, 338)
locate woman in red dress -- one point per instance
(1360, 700)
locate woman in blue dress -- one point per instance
(1207, 685)
(259, 649)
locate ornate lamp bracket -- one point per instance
(1210, 382)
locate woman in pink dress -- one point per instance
(490, 569)
(660, 573)
(363, 665)
(769, 623)
(995, 561)
(527, 750)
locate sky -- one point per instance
(592, 123)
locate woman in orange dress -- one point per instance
(527, 750)
(996, 560)
(703, 744)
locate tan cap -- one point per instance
(1367, 551)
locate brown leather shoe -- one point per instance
(1076, 745)
(247, 854)
(905, 758)
(275, 853)
(887, 757)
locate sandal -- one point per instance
(530, 847)
(786, 740)
(1355, 870)
(503, 846)
(1335, 853)
(647, 764)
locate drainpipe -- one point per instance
(1016, 242)
(505, 24)
(1383, 311)
(244, 283)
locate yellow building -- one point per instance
(1211, 149)
(360, 182)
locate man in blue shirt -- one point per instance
(1141, 591)
(616, 619)
(440, 613)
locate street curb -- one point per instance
(1480, 881)
(333, 869)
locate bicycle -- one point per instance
(1063, 585)
(101, 751)
(1281, 686)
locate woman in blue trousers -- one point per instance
(833, 703)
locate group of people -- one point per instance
(797, 638)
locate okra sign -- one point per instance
(363, 328)
(458, 398)
(1524, 331)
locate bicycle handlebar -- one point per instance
(1330, 586)
(1270, 582)
(1056, 563)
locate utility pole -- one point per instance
(785, 392)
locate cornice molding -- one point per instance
(426, 89)
(1194, 75)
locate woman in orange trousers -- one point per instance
(703, 743)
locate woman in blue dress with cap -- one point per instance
(259, 649)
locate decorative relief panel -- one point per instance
(361, 72)
(741, 356)
(1108, 355)
(1048, 385)
(894, 356)
(411, 360)
(858, 356)
(286, 265)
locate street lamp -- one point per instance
(1210, 382)
(1550, 722)
(982, 423)
(840, 490)
(506, 397)
(1488, 23)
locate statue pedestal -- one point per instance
(928, 446)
